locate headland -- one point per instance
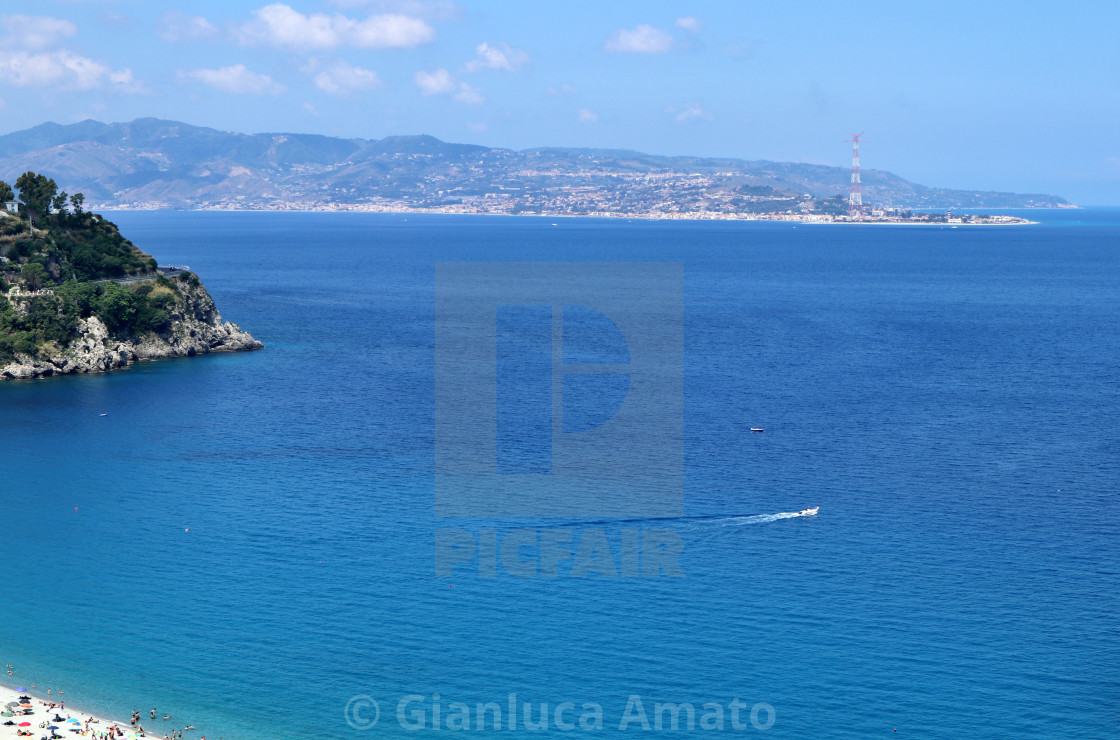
(77, 297)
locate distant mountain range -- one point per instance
(152, 163)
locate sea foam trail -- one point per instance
(757, 518)
(721, 520)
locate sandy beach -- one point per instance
(45, 716)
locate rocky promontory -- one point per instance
(195, 327)
(77, 297)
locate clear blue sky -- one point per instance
(989, 95)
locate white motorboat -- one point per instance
(810, 511)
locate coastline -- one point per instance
(686, 216)
(196, 328)
(42, 714)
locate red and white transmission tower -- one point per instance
(855, 195)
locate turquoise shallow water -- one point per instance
(949, 397)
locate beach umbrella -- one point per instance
(24, 724)
(52, 727)
(6, 714)
(74, 721)
(21, 689)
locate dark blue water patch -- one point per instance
(523, 433)
(247, 540)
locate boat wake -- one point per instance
(717, 520)
(760, 518)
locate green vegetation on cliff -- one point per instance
(60, 266)
(69, 245)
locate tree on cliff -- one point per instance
(34, 275)
(36, 193)
(6, 193)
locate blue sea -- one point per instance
(246, 541)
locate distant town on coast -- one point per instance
(158, 164)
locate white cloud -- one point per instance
(496, 56)
(441, 81)
(434, 83)
(122, 77)
(689, 23)
(280, 25)
(644, 39)
(236, 79)
(175, 26)
(587, 116)
(469, 94)
(343, 78)
(35, 31)
(480, 128)
(739, 48)
(311, 109)
(690, 113)
(118, 20)
(25, 61)
(61, 70)
(565, 89)
(433, 10)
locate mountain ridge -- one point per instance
(156, 163)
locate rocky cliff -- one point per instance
(76, 296)
(194, 327)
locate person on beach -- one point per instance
(153, 714)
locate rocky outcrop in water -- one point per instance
(195, 327)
